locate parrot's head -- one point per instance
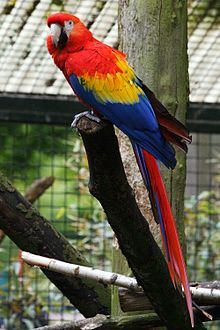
(67, 33)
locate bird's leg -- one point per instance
(88, 114)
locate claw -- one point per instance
(86, 114)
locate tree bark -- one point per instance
(136, 322)
(33, 233)
(119, 265)
(154, 36)
(136, 300)
(37, 188)
(101, 322)
(109, 185)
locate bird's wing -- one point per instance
(109, 85)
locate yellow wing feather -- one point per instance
(119, 87)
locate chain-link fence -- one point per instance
(33, 151)
(202, 207)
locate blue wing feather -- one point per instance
(137, 120)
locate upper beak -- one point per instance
(55, 31)
(58, 34)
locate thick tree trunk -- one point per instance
(33, 233)
(154, 36)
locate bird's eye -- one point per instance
(68, 26)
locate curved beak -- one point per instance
(55, 31)
(59, 35)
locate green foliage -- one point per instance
(23, 313)
(23, 149)
(89, 229)
(21, 309)
(202, 233)
(31, 152)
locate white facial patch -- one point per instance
(68, 27)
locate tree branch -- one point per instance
(132, 296)
(109, 185)
(101, 322)
(80, 271)
(135, 322)
(37, 188)
(31, 232)
(136, 300)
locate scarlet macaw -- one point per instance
(103, 80)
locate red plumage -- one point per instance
(175, 258)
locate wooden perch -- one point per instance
(132, 296)
(109, 185)
(205, 296)
(80, 271)
(37, 188)
(31, 232)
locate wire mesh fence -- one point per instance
(32, 151)
(202, 207)
(25, 62)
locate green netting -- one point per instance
(30, 152)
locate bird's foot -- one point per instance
(87, 114)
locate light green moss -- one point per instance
(5, 184)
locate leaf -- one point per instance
(60, 213)
(29, 324)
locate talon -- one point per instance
(86, 114)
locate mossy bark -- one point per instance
(154, 36)
(101, 322)
(31, 232)
(120, 266)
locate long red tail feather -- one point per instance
(164, 216)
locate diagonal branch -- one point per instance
(37, 188)
(31, 232)
(109, 185)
